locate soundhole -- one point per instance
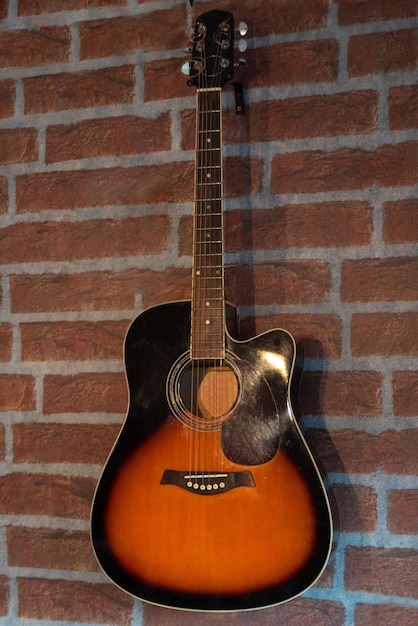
(203, 393)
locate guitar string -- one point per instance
(213, 192)
(194, 452)
(206, 252)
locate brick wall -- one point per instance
(96, 156)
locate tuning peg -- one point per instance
(185, 69)
(242, 45)
(240, 63)
(242, 29)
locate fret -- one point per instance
(209, 224)
(208, 131)
(212, 199)
(209, 212)
(206, 234)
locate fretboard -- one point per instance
(208, 310)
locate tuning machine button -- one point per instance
(242, 45)
(240, 63)
(185, 68)
(242, 29)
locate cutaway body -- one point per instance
(209, 505)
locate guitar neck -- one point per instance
(208, 310)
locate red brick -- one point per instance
(46, 494)
(108, 136)
(61, 241)
(391, 571)
(398, 450)
(4, 194)
(17, 392)
(6, 342)
(4, 592)
(163, 80)
(278, 16)
(35, 7)
(341, 393)
(284, 282)
(388, 614)
(24, 47)
(346, 168)
(379, 280)
(167, 286)
(353, 451)
(403, 107)
(54, 599)
(400, 223)
(74, 292)
(50, 548)
(290, 63)
(281, 64)
(168, 182)
(320, 335)
(4, 9)
(325, 224)
(18, 145)
(112, 186)
(363, 11)
(374, 53)
(58, 92)
(7, 98)
(72, 341)
(116, 36)
(385, 334)
(63, 443)
(97, 290)
(357, 507)
(299, 611)
(243, 176)
(405, 393)
(85, 393)
(295, 118)
(402, 512)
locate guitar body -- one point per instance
(210, 499)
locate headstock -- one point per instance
(212, 56)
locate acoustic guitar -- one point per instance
(210, 499)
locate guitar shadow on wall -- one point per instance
(242, 280)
